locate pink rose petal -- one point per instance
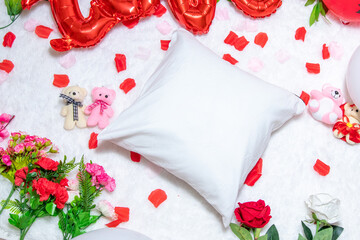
(221, 13)
(30, 25)
(3, 76)
(282, 56)
(251, 26)
(164, 27)
(143, 53)
(255, 64)
(67, 61)
(336, 50)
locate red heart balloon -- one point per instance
(195, 15)
(346, 10)
(258, 8)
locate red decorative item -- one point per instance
(61, 80)
(305, 97)
(348, 127)
(313, 68)
(120, 62)
(131, 23)
(325, 52)
(157, 197)
(346, 10)
(127, 85)
(261, 39)
(93, 142)
(300, 34)
(42, 31)
(253, 214)
(322, 168)
(165, 44)
(230, 59)
(123, 214)
(258, 8)
(161, 10)
(135, 157)
(195, 15)
(9, 38)
(254, 174)
(231, 38)
(241, 43)
(6, 65)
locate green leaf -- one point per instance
(2, 168)
(314, 14)
(24, 221)
(301, 237)
(309, 2)
(14, 220)
(34, 202)
(325, 234)
(272, 233)
(240, 232)
(263, 237)
(336, 232)
(51, 208)
(307, 231)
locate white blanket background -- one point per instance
(288, 176)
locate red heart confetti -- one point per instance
(42, 31)
(157, 197)
(325, 52)
(313, 68)
(6, 65)
(305, 97)
(300, 34)
(93, 142)
(61, 80)
(255, 173)
(241, 43)
(322, 168)
(231, 38)
(9, 39)
(164, 44)
(135, 157)
(261, 39)
(131, 23)
(230, 59)
(161, 10)
(120, 62)
(123, 214)
(127, 85)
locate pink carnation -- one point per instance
(29, 138)
(110, 186)
(94, 169)
(29, 146)
(6, 160)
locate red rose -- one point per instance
(47, 164)
(253, 214)
(44, 188)
(20, 175)
(61, 196)
(64, 182)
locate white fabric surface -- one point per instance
(288, 178)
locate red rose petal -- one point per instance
(9, 38)
(300, 34)
(135, 157)
(231, 38)
(120, 62)
(313, 68)
(255, 173)
(61, 80)
(261, 39)
(305, 97)
(322, 168)
(42, 31)
(123, 214)
(164, 44)
(157, 197)
(6, 65)
(241, 43)
(127, 85)
(230, 59)
(131, 23)
(93, 142)
(161, 10)
(325, 52)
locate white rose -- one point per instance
(106, 209)
(325, 207)
(73, 185)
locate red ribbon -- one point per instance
(343, 128)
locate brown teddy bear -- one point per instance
(74, 109)
(348, 128)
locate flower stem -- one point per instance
(257, 233)
(8, 199)
(12, 21)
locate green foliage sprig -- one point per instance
(319, 8)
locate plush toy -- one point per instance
(348, 128)
(74, 109)
(100, 111)
(325, 106)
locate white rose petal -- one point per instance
(72, 195)
(106, 209)
(325, 207)
(73, 185)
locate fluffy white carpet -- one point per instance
(288, 177)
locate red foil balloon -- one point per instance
(258, 8)
(346, 10)
(195, 15)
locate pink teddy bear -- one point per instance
(325, 106)
(100, 111)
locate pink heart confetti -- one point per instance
(143, 53)
(67, 61)
(336, 50)
(255, 64)
(164, 27)
(30, 25)
(222, 14)
(282, 56)
(3, 76)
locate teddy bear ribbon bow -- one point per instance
(75, 105)
(103, 106)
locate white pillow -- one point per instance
(204, 120)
